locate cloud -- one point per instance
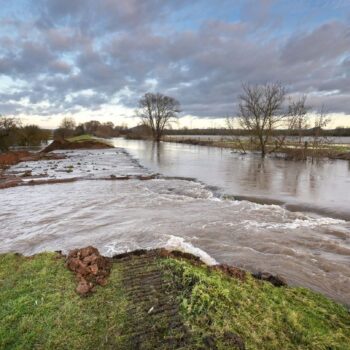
(118, 50)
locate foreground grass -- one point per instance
(264, 316)
(40, 309)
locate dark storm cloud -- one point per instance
(66, 48)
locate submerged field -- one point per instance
(157, 302)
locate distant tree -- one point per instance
(91, 126)
(157, 111)
(105, 130)
(68, 123)
(8, 132)
(32, 135)
(300, 121)
(318, 137)
(261, 112)
(66, 129)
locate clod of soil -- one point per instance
(61, 145)
(231, 271)
(90, 267)
(276, 280)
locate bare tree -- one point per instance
(318, 139)
(67, 123)
(300, 121)
(261, 111)
(65, 130)
(157, 111)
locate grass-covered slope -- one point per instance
(86, 137)
(264, 316)
(40, 309)
(78, 142)
(155, 302)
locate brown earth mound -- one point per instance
(90, 267)
(14, 157)
(61, 145)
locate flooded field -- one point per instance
(321, 186)
(120, 215)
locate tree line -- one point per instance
(265, 113)
(69, 128)
(13, 133)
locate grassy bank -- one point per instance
(266, 317)
(88, 138)
(162, 302)
(291, 150)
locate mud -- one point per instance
(66, 145)
(90, 268)
(231, 271)
(276, 280)
(343, 156)
(156, 321)
(14, 157)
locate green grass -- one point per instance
(264, 316)
(40, 309)
(82, 138)
(88, 137)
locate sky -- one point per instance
(93, 59)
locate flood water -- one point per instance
(322, 186)
(193, 215)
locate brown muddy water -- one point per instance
(115, 216)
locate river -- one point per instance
(201, 215)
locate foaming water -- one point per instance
(87, 164)
(117, 216)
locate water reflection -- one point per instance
(322, 186)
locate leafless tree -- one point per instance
(65, 130)
(158, 111)
(67, 123)
(318, 138)
(298, 111)
(261, 111)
